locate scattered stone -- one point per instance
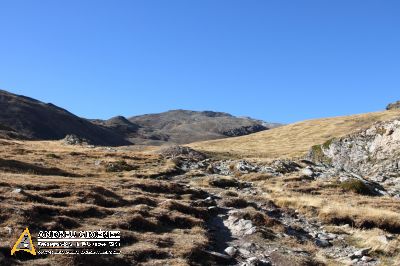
(383, 239)
(218, 255)
(254, 261)
(362, 252)
(307, 172)
(213, 208)
(249, 246)
(244, 225)
(17, 190)
(74, 140)
(231, 251)
(366, 259)
(251, 231)
(8, 229)
(246, 167)
(183, 152)
(327, 236)
(322, 243)
(244, 252)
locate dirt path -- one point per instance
(247, 229)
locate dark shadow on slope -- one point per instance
(14, 166)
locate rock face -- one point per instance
(370, 152)
(392, 106)
(373, 153)
(33, 119)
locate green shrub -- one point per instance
(327, 143)
(318, 155)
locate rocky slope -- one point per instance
(247, 228)
(25, 117)
(373, 154)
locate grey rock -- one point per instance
(246, 167)
(244, 252)
(362, 252)
(383, 239)
(366, 259)
(307, 172)
(251, 231)
(74, 140)
(254, 261)
(322, 243)
(249, 246)
(371, 153)
(231, 251)
(17, 190)
(218, 255)
(213, 209)
(183, 152)
(327, 236)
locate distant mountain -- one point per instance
(24, 117)
(183, 126)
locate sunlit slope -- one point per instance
(292, 140)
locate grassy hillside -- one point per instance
(292, 140)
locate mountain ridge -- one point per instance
(27, 118)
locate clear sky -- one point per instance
(276, 60)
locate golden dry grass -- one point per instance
(369, 218)
(333, 205)
(292, 140)
(157, 222)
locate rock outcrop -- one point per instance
(373, 154)
(392, 106)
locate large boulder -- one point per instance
(182, 152)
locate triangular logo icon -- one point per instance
(24, 243)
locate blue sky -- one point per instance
(279, 60)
